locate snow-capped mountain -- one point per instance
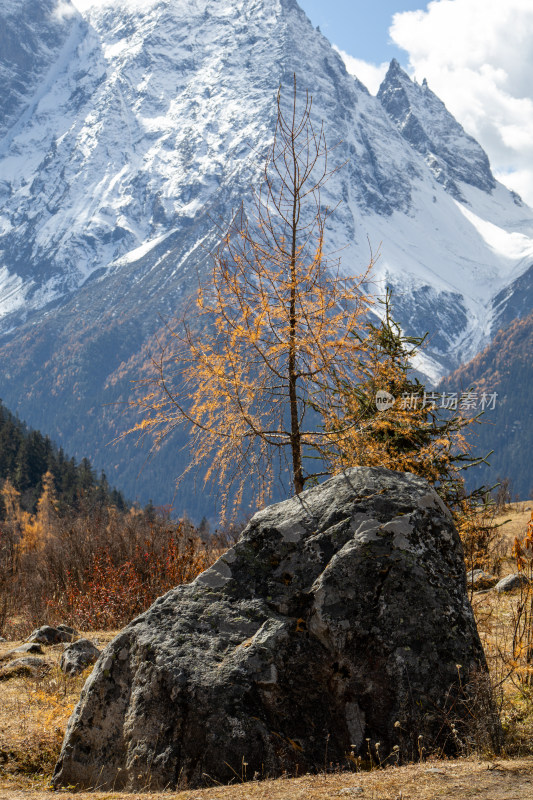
(452, 155)
(131, 131)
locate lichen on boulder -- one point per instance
(339, 624)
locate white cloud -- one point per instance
(369, 74)
(64, 10)
(477, 56)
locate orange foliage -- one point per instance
(409, 436)
(523, 549)
(98, 567)
(107, 594)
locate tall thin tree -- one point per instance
(269, 336)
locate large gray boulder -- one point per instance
(337, 625)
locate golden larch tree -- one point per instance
(252, 365)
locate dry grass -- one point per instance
(34, 712)
(34, 715)
(514, 520)
(495, 615)
(459, 779)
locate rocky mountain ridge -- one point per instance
(503, 369)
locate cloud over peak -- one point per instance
(477, 56)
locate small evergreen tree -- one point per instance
(411, 431)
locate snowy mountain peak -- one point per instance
(424, 121)
(150, 113)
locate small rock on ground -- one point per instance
(77, 656)
(29, 647)
(49, 635)
(20, 667)
(478, 579)
(68, 629)
(511, 582)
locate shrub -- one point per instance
(96, 568)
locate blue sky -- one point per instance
(360, 27)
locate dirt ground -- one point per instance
(438, 780)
